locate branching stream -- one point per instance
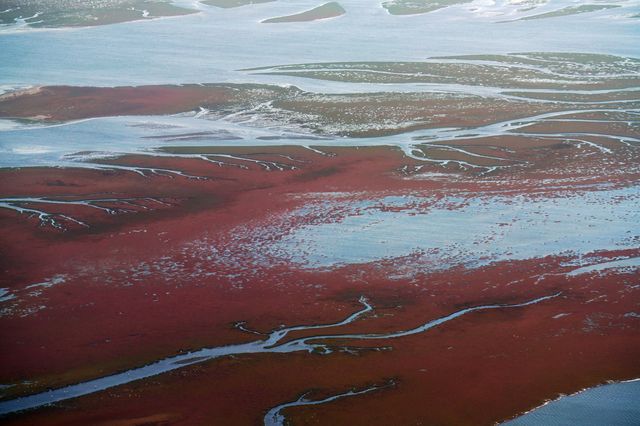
(272, 344)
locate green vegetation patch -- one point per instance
(81, 13)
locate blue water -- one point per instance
(472, 231)
(212, 45)
(616, 404)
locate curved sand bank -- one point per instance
(325, 11)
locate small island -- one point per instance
(325, 11)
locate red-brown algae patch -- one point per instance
(142, 285)
(482, 351)
(63, 103)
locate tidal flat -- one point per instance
(415, 213)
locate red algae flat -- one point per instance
(63, 103)
(178, 273)
(481, 352)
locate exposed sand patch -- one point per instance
(21, 92)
